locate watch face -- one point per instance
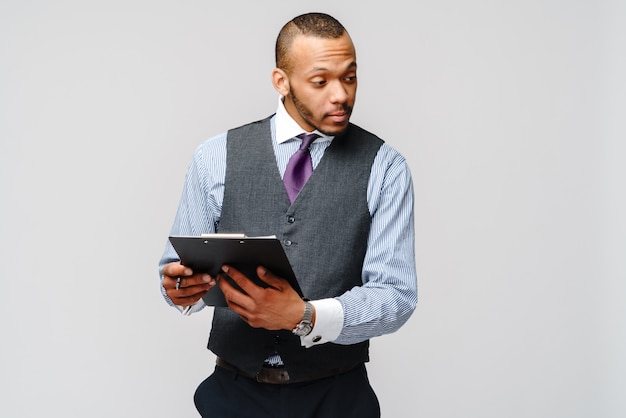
(302, 329)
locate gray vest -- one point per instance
(324, 234)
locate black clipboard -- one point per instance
(207, 254)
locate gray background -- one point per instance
(511, 115)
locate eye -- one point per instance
(350, 79)
(318, 82)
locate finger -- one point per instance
(239, 310)
(232, 294)
(271, 279)
(171, 283)
(188, 295)
(191, 290)
(180, 282)
(188, 300)
(241, 280)
(237, 277)
(176, 269)
(196, 279)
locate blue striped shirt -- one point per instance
(388, 295)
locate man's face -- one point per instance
(322, 83)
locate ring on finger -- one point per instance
(178, 282)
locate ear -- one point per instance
(280, 81)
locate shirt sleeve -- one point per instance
(388, 295)
(200, 204)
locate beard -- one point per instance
(307, 115)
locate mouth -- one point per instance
(338, 117)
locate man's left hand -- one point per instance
(276, 307)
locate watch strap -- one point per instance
(305, 325)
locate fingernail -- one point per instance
(207, 278)
(225, 269)
(262, 270)
(187, 272)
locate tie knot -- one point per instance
(307, 140)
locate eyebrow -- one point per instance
(351, 66)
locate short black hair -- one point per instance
(311, 24)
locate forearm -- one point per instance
(362, 313)
(371, 312)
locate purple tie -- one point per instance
(299, 167)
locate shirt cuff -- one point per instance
(188, 310)
(328, 322)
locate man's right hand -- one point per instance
(182, 286)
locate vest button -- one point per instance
(287, 243)
(291, 219)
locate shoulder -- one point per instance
(362, 134)
(218, 142)
(211, 146)
(391, 156)
(252, 127)
(387, 155)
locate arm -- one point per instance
(198, 213)
(389, 293)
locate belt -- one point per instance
(280, 376)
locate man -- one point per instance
(348, 234)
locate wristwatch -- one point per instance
(305, 326)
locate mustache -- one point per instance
(344, 109)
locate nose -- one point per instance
(338, 93)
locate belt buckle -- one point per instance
(272, 375)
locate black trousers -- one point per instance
(225, 394)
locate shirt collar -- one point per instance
(287, 128)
